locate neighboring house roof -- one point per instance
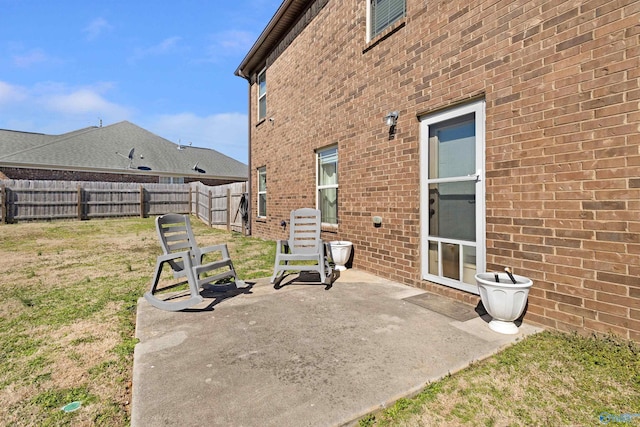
(288, 14)
(106, 149)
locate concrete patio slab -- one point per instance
(301, 355)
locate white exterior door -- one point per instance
(452, 196)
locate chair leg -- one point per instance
(156, 277)
(278, 272)
(322, 269)
(172, 306)
(194, 298)
(239, 283)
(194, 289)
(330, 273)
(277, 279)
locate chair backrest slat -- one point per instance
(180, 246)
(304, 231)
(175, 233)
(177, 237)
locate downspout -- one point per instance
(250, 174)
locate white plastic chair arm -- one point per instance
(216, 248)
(184, 255)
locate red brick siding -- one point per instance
(561, 82)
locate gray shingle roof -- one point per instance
(106, 149)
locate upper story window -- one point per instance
(262, 192)
(383, 13)
(327, 187)
(171, 180)
(262, 95)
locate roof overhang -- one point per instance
(285, 17)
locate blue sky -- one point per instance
(166, 66)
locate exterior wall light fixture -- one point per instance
(390, 120)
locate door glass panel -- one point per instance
(452, 147)
(469, 265)
(451, 261)
(433, 258)
(452, 210)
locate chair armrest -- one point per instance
(185, 255)
(215, 248)
(171, 258)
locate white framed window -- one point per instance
(327, 184)
(382, 13)
(171, 180)
(262, 95)
(452, 196)
(262, 192)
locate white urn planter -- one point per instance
(340, 253)
(504, 300)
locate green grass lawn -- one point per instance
(548, 379)
(68, 297)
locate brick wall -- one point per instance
(561, 81)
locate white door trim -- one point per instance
(477, 107)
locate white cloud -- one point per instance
(83, 101)
(236, 40)
(226, 133)
(96, 28)
(166, 46)
(11, 94)
(228, 43)
(35, 56)
(51, 107)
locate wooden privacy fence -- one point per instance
(25, 200)
(220, 206)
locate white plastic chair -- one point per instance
(184, 256)
(304, 245)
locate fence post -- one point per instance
(3, 195)
(228, 209)
(198, 201)
(190, 211)
(210, 209)
(141, 201)
(79, 197)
